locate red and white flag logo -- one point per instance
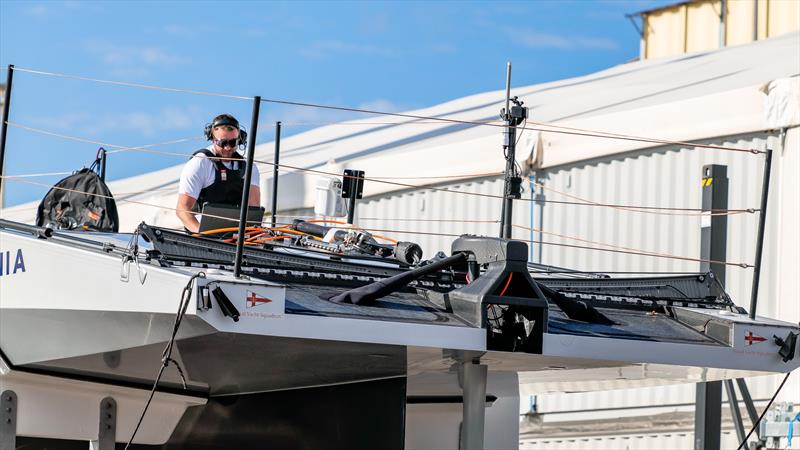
(254, 300)
(750, 338)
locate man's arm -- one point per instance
(184, 212)
(255, 196)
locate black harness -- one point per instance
(228, 183)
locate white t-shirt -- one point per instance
(198, 174)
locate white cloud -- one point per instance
(312, 117)
(254, 32)
(535, 39)
(443, 47)
(133, 61)
(384, 105)
(327, 48)
(91, 126)
(179, 31)
(38, 10)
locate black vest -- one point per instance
(228, 183)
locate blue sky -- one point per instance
(389, 56)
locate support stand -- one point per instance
(8, 420)
(736, 415)
(107, 434)
(473, 383)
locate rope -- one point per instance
(120, 200)
(136, 85)
(619, 250)
(632, 252)
(120, 148)
(701, 212)
(386, 180)
(558, 129)
(33, 175)
(602, 135)
(641, 209)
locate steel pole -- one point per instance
(509, 138)
(275, 171)
(248, 176)
(508, 209)
(762, 220)
(736, 415)
(4, 129)
(748, 403)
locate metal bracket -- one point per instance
(125, 270)
(8, 420)
(107, 434)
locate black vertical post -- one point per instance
(4, 129)
(510, 140)
(762, 220)
(714, 231)
(707, 415)
(102, 155)
(352, 189)
(713, 242)
(275, 171)
(351, 207)
(248, 176)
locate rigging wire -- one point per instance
(128, 84)
(136, 202)
(632, 252)
(386, 180)
(34, 175)
(657, 209)
(558, 129)
(119, 148)
(641, 209)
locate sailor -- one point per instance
(216, 180)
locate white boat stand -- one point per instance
(472, 378)
(8, 420)
(106, 436)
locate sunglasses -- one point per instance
(227, 142)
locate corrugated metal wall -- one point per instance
(695, 26)
(666, 177)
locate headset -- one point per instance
(226, 119)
